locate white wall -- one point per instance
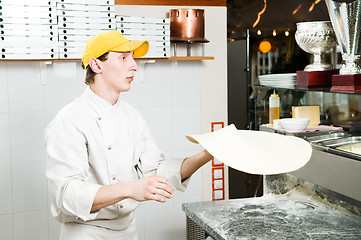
(169, 100)
(27, 106)
(176, 97)
(213, 74)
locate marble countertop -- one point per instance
(294, 215)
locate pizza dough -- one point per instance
(255, 152)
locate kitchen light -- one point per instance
(287, 33)
(259, 32)
(296, 10)
(265, 46)
(260, 13)
(313, 5)
(274, 33)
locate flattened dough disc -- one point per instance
(255, 152)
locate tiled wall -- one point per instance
(169, 97)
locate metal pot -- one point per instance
(187, 25)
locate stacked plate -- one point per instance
(77, 22)
(28, 29)
(278, 80)
(155, 30)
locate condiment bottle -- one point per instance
(274, 107)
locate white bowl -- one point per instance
(294, 124)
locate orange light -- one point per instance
(265, 46)
(260, 13)
(296, 10)
(287, 33)
(313, 5)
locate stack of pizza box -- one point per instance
(28, 29)
(80, 20)
(155, 30)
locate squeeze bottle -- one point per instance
(274, 107)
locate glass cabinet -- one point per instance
(336, 108)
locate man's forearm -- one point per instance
(110, 194)
(193, 163)
(149, 188)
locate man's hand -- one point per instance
(151, 188)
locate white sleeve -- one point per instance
(170, 169)
(67, 170)
(153, 161)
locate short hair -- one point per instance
(89, 76)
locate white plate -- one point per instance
(279, 75)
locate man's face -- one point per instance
(118, 71)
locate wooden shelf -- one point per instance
(137, 59)
(173, 2)
(178, 58)
(40, 60)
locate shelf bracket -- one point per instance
(43, 72)
(140, 72)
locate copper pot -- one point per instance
(187, 25)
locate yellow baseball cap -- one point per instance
(112, 41)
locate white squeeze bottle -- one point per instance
(274, 107)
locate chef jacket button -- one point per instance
(114, 178)
(120, 205)
(99, 118)
(109, 148)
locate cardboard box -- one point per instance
(88, 2)
(79, 31)
(28, 27)
(102, 20)
(146, 37)
(310, 112)
(29, 49)
(110, 26)
(28, 40)
(29, 56)
(74, 44)
(153, 32)
(28, 3)
(28, 32)
(85, 14)
(34, 21)
(69, 56)
(85, 7)
(125, 25)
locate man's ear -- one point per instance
(95, 65)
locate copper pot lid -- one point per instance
(187, 25)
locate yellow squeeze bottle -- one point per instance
(274, 107)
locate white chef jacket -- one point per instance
(91, 143)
